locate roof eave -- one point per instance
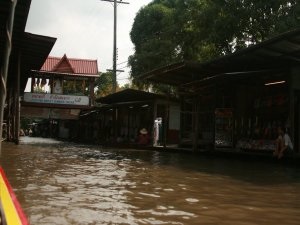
(53, 73)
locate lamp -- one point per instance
(275, 82)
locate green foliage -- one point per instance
(151, 37)
(38, 89)
(129, 86)
(104, 85)
(166, 31)
(76, 87)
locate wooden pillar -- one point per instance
(32, 83)
(114, 123)
(92, 86)
(181, 119)
(195, 120)
(9, 115)
(12, 115)
(154, 110)
(154, 107)
(166, 125)
(294, 107)
(128, 123)
(17, 102)
(215, 99)
(51, 82)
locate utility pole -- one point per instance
(115, 42)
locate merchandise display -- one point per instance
(250, 144)
(223, 128)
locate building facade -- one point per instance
(238, 101)
(59, 91)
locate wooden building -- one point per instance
(119, 117)
(59, 91)
(238, 101)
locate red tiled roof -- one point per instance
(78, 66)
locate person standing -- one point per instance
(284, 143)
(287, 145)
(143, 138)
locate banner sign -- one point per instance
(56, 99)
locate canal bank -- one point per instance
(290, 158)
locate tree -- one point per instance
(150, 35)
(103, 84)
(166, 31)
(237, 24)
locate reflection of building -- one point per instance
(60, 90)
(238, 101)
(120, 116)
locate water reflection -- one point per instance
(59, 183)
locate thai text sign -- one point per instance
(56, 99)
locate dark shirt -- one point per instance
(143, 139)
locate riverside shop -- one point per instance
(237, 102)
(242, 113)
(118, 118)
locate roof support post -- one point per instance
(167, 118)
(294, 107)
(195, 120)
(17, 101)
(92, 95)
(5, 63)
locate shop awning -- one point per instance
(274, 54)
(49, 74)
(129, 95)
(34, 50)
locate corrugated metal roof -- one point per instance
(276, 53)
(131, 95)
(79, 66)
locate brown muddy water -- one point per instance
(64, 183)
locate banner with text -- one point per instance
(56, 99)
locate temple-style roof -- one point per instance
(70, 65)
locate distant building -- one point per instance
(119, 117)
(60, 90)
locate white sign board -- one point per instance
(56, 99)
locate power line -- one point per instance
(123, 67)
(122, 63)
(125, 78)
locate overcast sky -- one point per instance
(84, 29)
